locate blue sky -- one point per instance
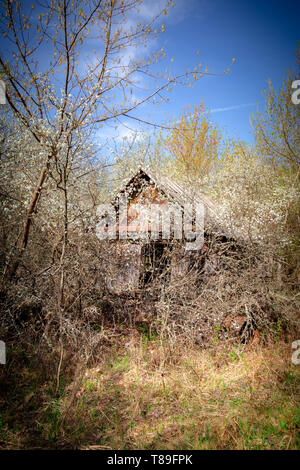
(261, 35)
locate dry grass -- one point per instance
(144, 394)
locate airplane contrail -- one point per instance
(229, 108)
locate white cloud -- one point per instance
(119, 133)
(175, 14)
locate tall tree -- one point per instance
(277, 135)
(277, 128)
(193, 143)
(75, 64)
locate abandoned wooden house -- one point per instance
(141, 245)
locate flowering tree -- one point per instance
(277, 135)
(90, 76)
(75, 171)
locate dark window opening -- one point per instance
(156, 259)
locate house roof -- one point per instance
(179, 194)
(174, 191)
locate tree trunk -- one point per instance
(28, 220)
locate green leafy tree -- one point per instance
(277, 136)
(277, 128)
(192, 143)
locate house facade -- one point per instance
(155, 229)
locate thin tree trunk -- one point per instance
(27, 224)
(62, 279)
